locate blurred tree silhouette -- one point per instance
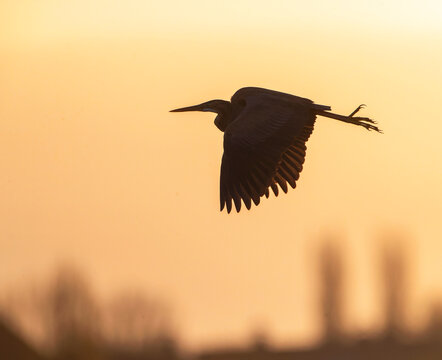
(434, 330)
(134, 322)
(72, 316)
(72, 325)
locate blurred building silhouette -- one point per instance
(331, 292)
(394, 267)
(391, 344)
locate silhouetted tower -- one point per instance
(331, 292)
(395, 289)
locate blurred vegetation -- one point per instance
(69, 323)
(72, 325)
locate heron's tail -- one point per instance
(321, 107)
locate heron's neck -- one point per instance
(224, 117)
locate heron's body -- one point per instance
(265, 132)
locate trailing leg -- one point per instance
(360, 121)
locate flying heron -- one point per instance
(265, 132)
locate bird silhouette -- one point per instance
(265, 132)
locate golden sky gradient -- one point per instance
(95, 171)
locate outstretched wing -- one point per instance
(264, 147)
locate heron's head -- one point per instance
(220, 107)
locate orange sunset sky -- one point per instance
(96, 172)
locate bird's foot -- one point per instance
(357, 109)
(365, 119)
(366, 123)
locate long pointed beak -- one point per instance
(199, 107)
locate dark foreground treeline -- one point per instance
(68, 323)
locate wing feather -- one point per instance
(274, 188)
(263, 147)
